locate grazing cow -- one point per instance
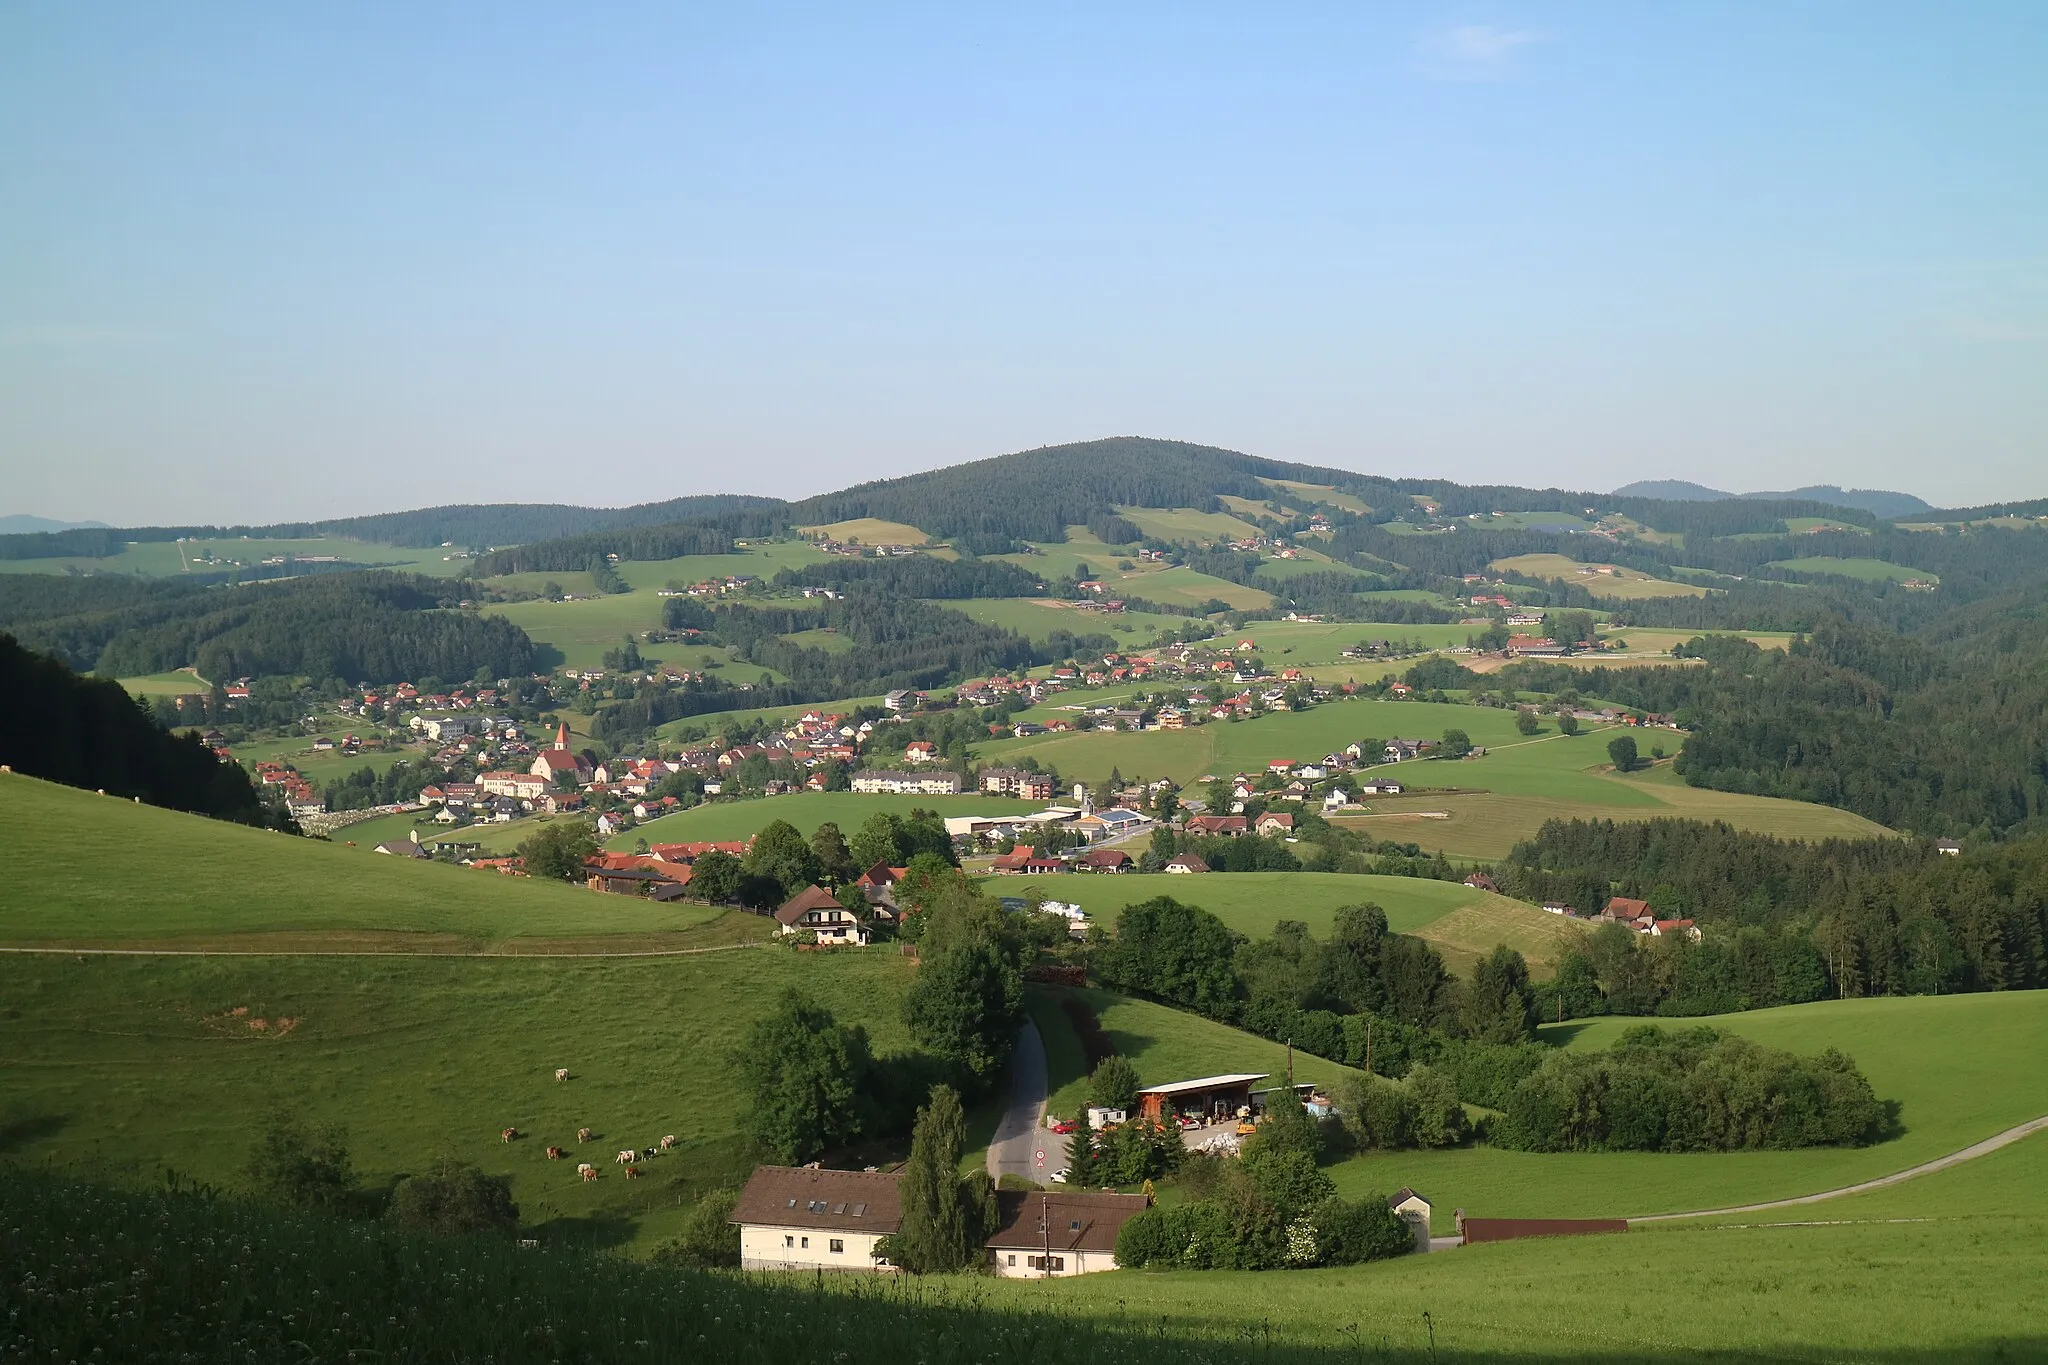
(508, 1134)
(668, 1142)
(586, 1170)
(632, 1173)
(583, 1135)
(627, 1157)
(647, 1153)
(555, 1154)
(561, 1073)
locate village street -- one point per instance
(1022, 1146)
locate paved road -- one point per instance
(1970, 1153)
(1020, 1135)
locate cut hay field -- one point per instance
(1642, 640)
(1183, 586)
(1867, 570)
(720, 820)
(120, 1066)
(869, 531)
(1962, 1068)
(186, 881)
(1628, 585)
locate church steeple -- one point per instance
(562, 736)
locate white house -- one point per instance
(806, 1219)
(897, 782)
(1413, 1210)
(1045, 1234)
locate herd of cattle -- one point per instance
(627, 1157)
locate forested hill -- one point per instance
(88, 732)
(360, 627)
(470, 525)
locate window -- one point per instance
(807, 1244)
(838, 1245)
(789, 1241)
(1052, 1263)
(1012, 1259)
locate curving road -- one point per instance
(1020, 1136)
(1970, 1153)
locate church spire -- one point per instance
(562, 736)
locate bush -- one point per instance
(1114, 1084)
(1350, 1232)
(707, 1240)
(302, 1167)
(1379, 1115)
(454, 1197)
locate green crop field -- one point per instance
(169, 558)
(123, 1065)
(183, 880)
(1961, 1068)
(1868, 570)
(719, 820)
(1623, 584)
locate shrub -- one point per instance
(455, 1197)
(707, 1240)
(1114, 1084)
(302, 1167)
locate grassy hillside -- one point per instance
(170, 558)
(106, 871)
(1960, 1067)
(1626, 585)
(120, 1065)
(1868, 570)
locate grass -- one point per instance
(1189, 587)
(1185, 523)
(1960, 1067)
(183, 880)
(1627, 585)
(1655, 641)
(1317, 492)
(1038, 618)
(119, 1065)
(719, 820)
(1867, 570)
(870, 531)
(183, 682)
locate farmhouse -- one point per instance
(1104, 860)
(1185, 864)
(1046, 1233)
(1274, 822)
(808, 1219)
(817, 910)
(1229, 826)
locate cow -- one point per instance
(583, 1135)
(586, 1170)
(627, 1157)
(632, 1173)
(668, 1141)
(648, 1153)
(561, 1073)
(555, 1154)
(508, 1134)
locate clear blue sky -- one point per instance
(263, 261)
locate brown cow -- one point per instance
(508, 1134)
(583, 1135)
(555, 1154)
(632, 1173)
(587, 1171)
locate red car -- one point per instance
(1063, 1127)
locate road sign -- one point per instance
(1039, 1156)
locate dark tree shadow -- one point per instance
(16, 1134)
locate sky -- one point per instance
(264, 262)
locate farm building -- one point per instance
(808, 1219)
(1046, 1233)
(1208, 1098)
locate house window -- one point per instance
(1052, 1263)
(838, 1245)
(1012, 1259)
(789, 1241)
(807, 1244)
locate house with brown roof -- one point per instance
(1186, 863)
(1045, 1233)
(817, 910)
(1229, 826)
(1104, 860)
(1622, 910)
(1275, 822)
(803, 1218)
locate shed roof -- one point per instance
(1204, 1083)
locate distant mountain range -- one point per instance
(1878, 502)
(21, 524)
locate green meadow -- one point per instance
(186, 881)
(1868, 570)
(183, 682)
(170, 558)
(1037, 619)
(1186, 524)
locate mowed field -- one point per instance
(182, 682)
(1627, 585)
(119, 1066)
(184, 881)
(719, 820)
(1038, 618)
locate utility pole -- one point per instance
(1045, 1234)
(1368, 1044)
(1290, 1061)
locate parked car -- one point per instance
(1187, 1121)
(1058, 1177)
(1063, 1126)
